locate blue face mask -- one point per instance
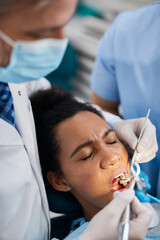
(32, 60)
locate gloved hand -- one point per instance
(129, 131)
(105, 224)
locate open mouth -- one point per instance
(118, 175)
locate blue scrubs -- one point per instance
(127, 70)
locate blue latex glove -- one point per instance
(141, 193)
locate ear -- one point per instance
(58, 182)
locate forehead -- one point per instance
(41, 14)
(83, 126)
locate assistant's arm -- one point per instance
(103, 80)
(106, 105)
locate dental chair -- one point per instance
(66, 204)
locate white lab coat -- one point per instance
(24, 213)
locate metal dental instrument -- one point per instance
(134, 175)
(140, 136)
(124, 223)
(135, 151)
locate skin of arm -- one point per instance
(106, 105)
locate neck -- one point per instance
(89, 211)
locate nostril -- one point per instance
(112, 164)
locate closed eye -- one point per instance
(90, 155)
(112, 142)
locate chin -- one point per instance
(108, 199)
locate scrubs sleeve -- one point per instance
(103, 80)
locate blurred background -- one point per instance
(92, 19)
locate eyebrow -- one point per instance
(89, 143)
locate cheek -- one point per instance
(124, 156)
(121, 150)
(5, 54)
(91, 184)
(81, 174)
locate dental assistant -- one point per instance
(127, 71)
(32, 44)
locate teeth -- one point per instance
(125, 180)
(120, 175)
(124, 184)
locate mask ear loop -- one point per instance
(7, 39)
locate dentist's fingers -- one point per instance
(143, 158)
(148, 134)
(139, 225)
(121, 199)
(109, 215)
(125, 131)
(129, 130)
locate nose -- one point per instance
(109, 158)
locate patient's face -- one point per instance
(91, 156)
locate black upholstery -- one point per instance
(60, 226)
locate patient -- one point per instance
(79, 152)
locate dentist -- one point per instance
(32, 44)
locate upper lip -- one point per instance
(116, 172)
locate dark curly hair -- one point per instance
(51, 107)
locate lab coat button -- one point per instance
(19, 93)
